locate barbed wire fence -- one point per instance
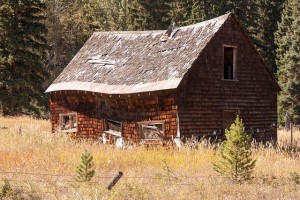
(178, 180)
(45, 185)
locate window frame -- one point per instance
(113, 132)
(72, 129)
(234, 60)
(145, 123)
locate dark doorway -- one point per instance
(228, 117)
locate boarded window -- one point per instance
(68, 122)
(228, 117)
(229, 63)
(152, 130)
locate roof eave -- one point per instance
(114, 89)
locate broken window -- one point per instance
(152, 130)
(229, 62)
(68, 122)
(113, 128)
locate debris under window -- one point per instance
(68, 122)
(152, 130)
(229, 62)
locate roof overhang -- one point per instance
(115, 89)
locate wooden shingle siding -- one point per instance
(206, 94)
(86, 108)
(93, 110)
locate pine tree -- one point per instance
(148, 15)
(288, 61)
(23, 49)
(247, 13)
(236, 162)
(269, 12)
(84, 170)
(199, 11)
(181, 12)
(135, 16)
(257, 18)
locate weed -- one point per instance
(6, 189)
(295, 177)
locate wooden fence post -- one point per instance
(114, 180)
(1, 110)
(291, 127)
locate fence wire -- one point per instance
(69, 178)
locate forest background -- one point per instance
(38, 38)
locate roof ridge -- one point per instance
(225, 16)
(130, 32)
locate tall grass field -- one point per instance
(36, 164)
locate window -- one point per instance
(113, 128)
(229, 63)
(152, 130)
(68, 122)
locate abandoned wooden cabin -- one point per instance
(147, 86)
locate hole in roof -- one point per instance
(100, 61)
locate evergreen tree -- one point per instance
(181, 12)
(247, 13)
(270, 12)
(148, 15)
(200, 11)
(236, 162)
(84, 169)
(257, 18)
(22, 51)
(288, 61)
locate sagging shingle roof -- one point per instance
(131, 62)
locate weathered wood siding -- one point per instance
(203, 94)
(92, 109)
(84, 104)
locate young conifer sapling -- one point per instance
(235, 160)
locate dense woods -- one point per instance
(31, 57)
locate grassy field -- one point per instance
(41, 165)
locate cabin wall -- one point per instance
(85, 105)
(94, 109)
(204, 94)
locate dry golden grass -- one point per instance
(45, 165)
(284, 137)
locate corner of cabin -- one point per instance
(228, 79)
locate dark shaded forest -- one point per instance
(38, 39)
